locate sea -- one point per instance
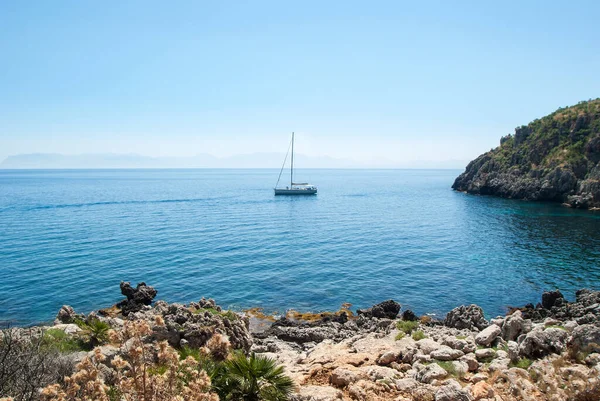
(71, 236)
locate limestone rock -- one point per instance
(585, 338)
(427, 345)
(539, 343)
(406, 385)
(68, 328)
(514, 325)
(471, 362)
(445, 353)
(341, 377)
(317, 393)
(487, 335)
(452, 391)
(387, 358)
(66, 315)
(466, 317)
(431, 372)
(482, 390)
(485, 353)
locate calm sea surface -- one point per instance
(70, 237)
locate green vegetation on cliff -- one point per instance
(554, 158)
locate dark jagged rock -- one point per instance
(552, 298)
(409, 316)
(137, 297)
(466, 317)
(555, 158)
(387, 309)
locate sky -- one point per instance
(368, 81)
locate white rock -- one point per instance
(484, 353)
(445, 353)
(452, 391)
(406, 385)
(317, 393)
(471, 362)
(487, 335)
(68, 328)
(427, 345)
(430, 373)
(387, 358)
(341, 377)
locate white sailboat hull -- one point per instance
(296, 191)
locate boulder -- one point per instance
(513, 351)
(409, 315)
(452, 391)
(445, 353)
(485, 353)
(585, 338)
(406, 385)
(487, 335)
(430, 373)
(68, 328)
(137, 297)
(552, 298)
(466, 317)
(539, 343)
(471, 362)
(514, 325)
(65, 315)
(387, 309)
(427, 345)
(375, 373)
(387, 357)
(317, 393)
(482, 390)
(342, 377)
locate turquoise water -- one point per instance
(70, 237)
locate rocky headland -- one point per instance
(548, 351)
(555, 158)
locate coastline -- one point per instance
(548, 351)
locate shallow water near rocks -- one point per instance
(70, 237)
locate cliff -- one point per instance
(555, 158)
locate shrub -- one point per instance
(27, 363)
(406, 326)
(449, 367)
(418, 335)
(400, 336)
(94, 332)
(144, 374)
(254, 378)
(522, 363)
(58, 340)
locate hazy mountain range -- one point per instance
(251, 160)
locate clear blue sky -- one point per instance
(365, 80)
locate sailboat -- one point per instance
(295, 188)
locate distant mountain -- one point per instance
(554, 158)
(93, 161)
(250, 160)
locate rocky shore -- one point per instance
(548, 351)
(555, 158)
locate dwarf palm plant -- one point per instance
(254, 378)
(95, 332)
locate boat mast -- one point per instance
(292, 164)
